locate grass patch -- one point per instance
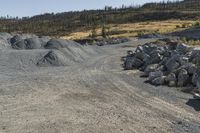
(135, 29)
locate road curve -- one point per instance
(96, 96)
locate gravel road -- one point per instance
(95, 96)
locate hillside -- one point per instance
(68, 22)
(186, 5)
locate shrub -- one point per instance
(140, 33)
(178, 26)
(197, 24)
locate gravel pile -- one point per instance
(173, 64)
(29, 51)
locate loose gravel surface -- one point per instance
(93, 96)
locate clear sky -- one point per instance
(33, 7)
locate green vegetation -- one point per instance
(69, 22)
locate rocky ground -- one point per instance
(169, 63)
(58, 88)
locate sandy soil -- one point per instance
(96, 96)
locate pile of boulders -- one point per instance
(111, 41)
(174, 64)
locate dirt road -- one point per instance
(96, 96)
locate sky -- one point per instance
(24, 8)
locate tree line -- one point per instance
(67, 22)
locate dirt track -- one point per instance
(96, 96)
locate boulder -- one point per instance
(190, 67)
(172, 65)
(182, 48)
(171, 77)
(183, 78)
(140, 55)
(198, 83)
(182, 60)
(139, 49)
(172, 84)
(158, 81)
(155, 57)
(128, 64)
(195, 77)
(154, 75)
(132, 62)
(150, 68)
(149, 47)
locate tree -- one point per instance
(94, 32)
(103, 31)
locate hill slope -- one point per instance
(68, 22)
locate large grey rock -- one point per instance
(154, 75)
(140, 55)
(195, 77)
(128, 64)
(198, 83)
(182, 60)
(183, 78)
(195, 57)
(172, 65)
(139, 49)
(155, 57)
(158, 81)
(149, 47)
(182, 48)
(190, 67)
(132, 62)
(171, 80)
(150, 68)
(172, 84)
(171, 77)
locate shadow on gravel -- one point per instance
(194, 103)
(149, 82)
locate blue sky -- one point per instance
(33, 7)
